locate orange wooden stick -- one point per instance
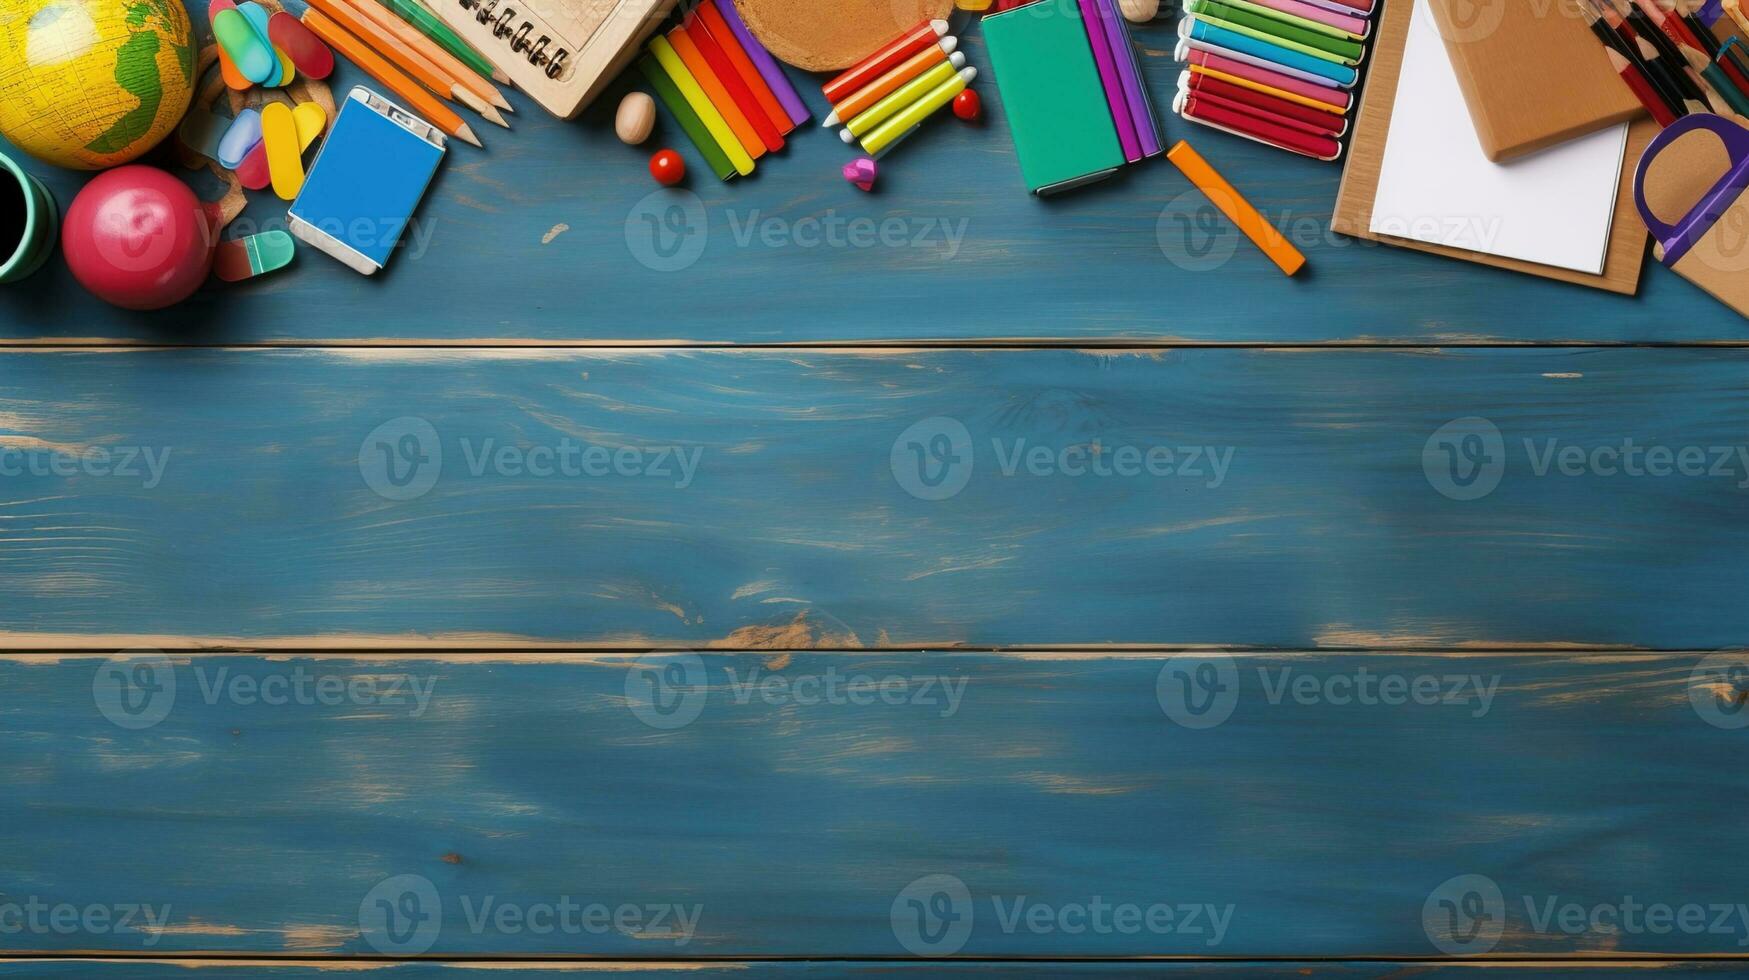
(377, 67)
(717, 92)
(1222, 195)
(433, 52)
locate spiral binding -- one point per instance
(500, 15)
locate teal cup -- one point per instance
(29, 222)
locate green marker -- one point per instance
(428, 24)
(257, 255)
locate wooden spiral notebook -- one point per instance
(563, 53)
(1360, 178)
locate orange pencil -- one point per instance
(724, 35)
(1238, 210)
(377, 67)
(433, 52)
(714, 90)
(404, 57)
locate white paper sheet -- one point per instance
(1436, 185)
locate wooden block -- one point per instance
(831, 37)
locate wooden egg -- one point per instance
(636, 118)
(1139, 11)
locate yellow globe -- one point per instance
(89, 84)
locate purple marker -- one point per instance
(1108, 76)
(768, 67)
(1123, 52)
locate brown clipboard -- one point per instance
(1366, 151)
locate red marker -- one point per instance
(891, 56)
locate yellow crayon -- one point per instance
(897, 128)
(713, 120)
(901, 97)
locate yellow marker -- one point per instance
(288, 71)
(903, 96)
(713, 120)
(311, 120)
(889, 133)
(285, 159)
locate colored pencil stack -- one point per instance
(724, 88)
(885, 98)
(423, 73)
(1280, 72)
(1670, 58)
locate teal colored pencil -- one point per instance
(433, 27)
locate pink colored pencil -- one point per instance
(1334, 97)
(1358, 26)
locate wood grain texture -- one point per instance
(119, 969)
(791, 255)
(790, 820)
(761, 504)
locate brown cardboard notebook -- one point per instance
(1366, 150)
(1533, 73)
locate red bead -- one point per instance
(968, 106)
(668, 167)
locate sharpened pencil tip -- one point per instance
(467, 133)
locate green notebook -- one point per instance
(1052, 94)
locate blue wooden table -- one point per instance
(771, 577)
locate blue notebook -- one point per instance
(367, 181)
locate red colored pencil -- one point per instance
(1642, 88)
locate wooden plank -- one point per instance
(552, 235)
(267, 804)
(776, 499)
(117, 969)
